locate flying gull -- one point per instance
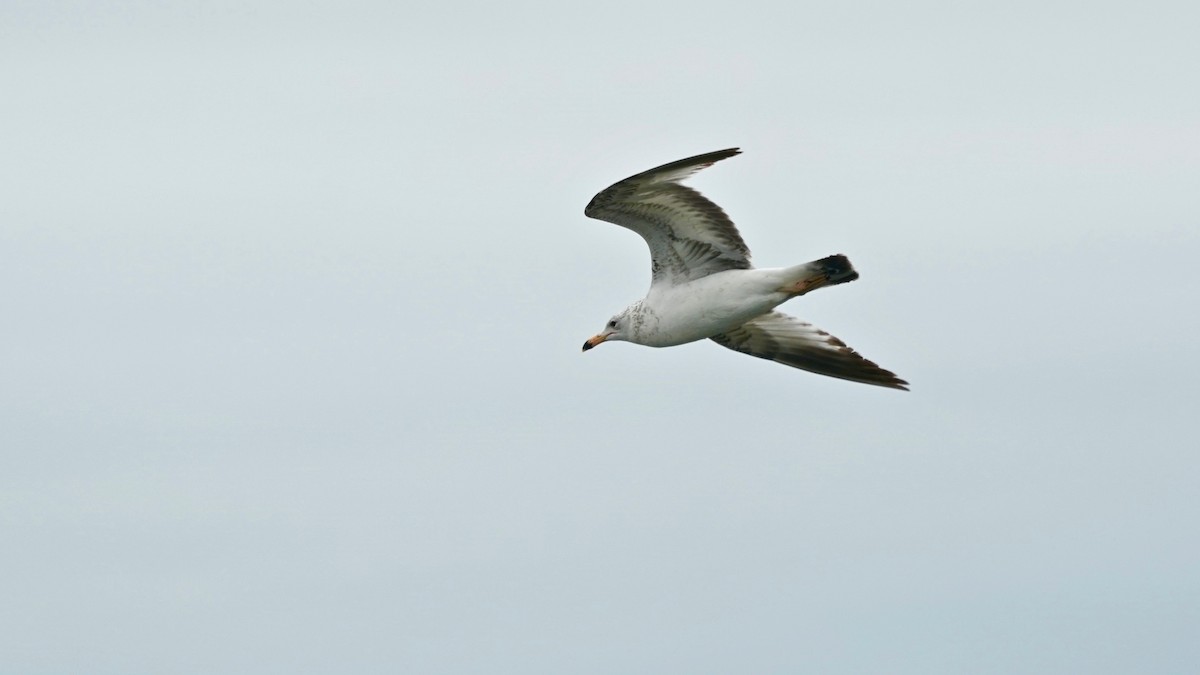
(703, 285)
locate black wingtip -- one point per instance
(703, 160)
(694, 163)
(718, 155)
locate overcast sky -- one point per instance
(292, 296)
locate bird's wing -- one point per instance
(792, 342)
(689, 236)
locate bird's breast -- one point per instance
(705, 307)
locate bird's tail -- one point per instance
(836, 269)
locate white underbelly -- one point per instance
(708, 306)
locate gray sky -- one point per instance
(293, 297)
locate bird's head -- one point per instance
(615, 329)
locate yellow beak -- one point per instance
(593, 341)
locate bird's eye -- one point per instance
(612, 324)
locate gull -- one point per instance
(703, 285)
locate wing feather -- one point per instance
(785, 339)
(688, 235)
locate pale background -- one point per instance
(292, 296)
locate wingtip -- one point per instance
(701, 161)
(693, 164)
(671, 172)
(881, 378)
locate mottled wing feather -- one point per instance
(689, 236)
(792, 342)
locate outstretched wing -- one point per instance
(792, 342)
(689, 236)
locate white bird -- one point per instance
(703, 285)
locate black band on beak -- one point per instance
(588, 345)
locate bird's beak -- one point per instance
(593, 341)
